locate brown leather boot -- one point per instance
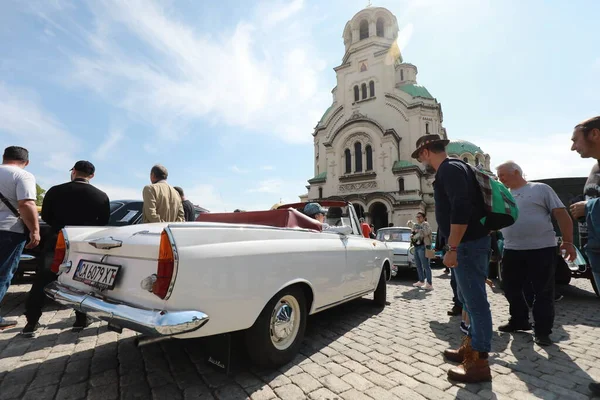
(458, 355)
(475, 368)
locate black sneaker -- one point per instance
(456, 310)
(30, 329)
(510, 327)
(464, 328)
(542, 340)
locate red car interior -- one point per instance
(281, 218)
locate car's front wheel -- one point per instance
(275, 337)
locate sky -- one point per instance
(226, 95)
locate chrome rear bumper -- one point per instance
(146, 321)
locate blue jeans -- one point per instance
(11, 247)
(455, 297)
(473, 263)
(422, 262)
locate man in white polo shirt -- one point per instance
(17, 212)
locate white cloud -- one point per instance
(268, 186)
(279, 11)
(27, 124)
(113, 138)
(267, 168)
(540, 159)
(246, 77)
(238, 170)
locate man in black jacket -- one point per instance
(73, 203)
(188, 207)
(458, 209)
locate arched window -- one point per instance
(358, 157)
(427, 128)
(371, 89)
(348, 160)
(369, 154)
(364, 29)
(380, 27)
(466, 160)
(401, 184)
(320, 192)
(356, 93)
(401, 74)
(363, 88)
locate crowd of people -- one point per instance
(529, 257)
(530, 245)
(74, 203)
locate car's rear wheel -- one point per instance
(380, 295)
(275, 337)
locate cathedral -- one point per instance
(363, 142)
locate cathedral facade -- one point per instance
(363, 142)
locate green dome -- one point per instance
(459, 147)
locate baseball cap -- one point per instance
(314, 208)
(84, 166)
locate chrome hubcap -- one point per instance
(284, 322)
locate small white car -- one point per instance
(398, 239)
(260, 272)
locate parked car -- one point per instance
(578, 268)
(437, 261)
(398, 239)
(122, 212)
(260, 272)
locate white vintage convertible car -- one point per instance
(260, 272)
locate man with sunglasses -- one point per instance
(458, 209)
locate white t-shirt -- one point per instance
(15, 184)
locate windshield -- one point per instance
(125, 214)
(394, 235)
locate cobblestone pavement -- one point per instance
(351, 352)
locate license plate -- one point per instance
(95, 274)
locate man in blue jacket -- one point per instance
(586, 141)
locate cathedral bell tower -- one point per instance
(363, 141)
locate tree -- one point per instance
(40, 195)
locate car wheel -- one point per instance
(594, 286)
(275, 337)
(380, 295)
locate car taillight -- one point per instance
(166, 266)
(60, 252)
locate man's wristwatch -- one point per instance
(449, 248)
